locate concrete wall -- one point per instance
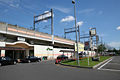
(2, 44)
(40, 51)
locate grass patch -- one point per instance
(84, 62)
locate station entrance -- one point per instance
(18, 50)
(15, 54)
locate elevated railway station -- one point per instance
(19, 42)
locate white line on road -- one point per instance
(105, 64)
(109, 69)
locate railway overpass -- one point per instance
(18, 42)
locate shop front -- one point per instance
(17, 50)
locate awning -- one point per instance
(67, 51)
(20, 44)
(11, 48)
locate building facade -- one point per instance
(18, 42)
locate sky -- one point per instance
(102, 14)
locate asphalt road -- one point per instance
(114, 64)
(47, 70)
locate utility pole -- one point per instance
(64, 34)
(6, 33)
(83, 35)
(71, 30)
(34, 24)
(97, 39)
(101, 46)
(79, 32)
(52, 32)
(52, 26)
(42, 17)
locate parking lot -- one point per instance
(113, 65)
(47, 70)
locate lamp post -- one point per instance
(77, 56)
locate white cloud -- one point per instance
(62, 9)
(114, 44)
(14, 5)
(7, 1)
(67, 19)
(11, 3)
(118, 28)
(86, 11)
(80, 23)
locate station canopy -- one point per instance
(67, 51)
(11, 48)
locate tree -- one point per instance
(119, 51)
(101, 48)
(114, 50)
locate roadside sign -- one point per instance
(80, 47)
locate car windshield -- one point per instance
(2, 58)
(61, 56)
(7, 58)
(31, 57)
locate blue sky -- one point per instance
(102, 14)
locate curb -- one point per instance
(97, 65)
(47, 60)
(94, 67)
(75, 66)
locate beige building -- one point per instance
(18, 42)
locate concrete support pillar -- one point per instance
(3, 53)
(2, 44)
(17, 54)
(27, 52)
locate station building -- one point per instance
(18, 42)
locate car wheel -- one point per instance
(14, 62)
(29, 61)
(0, 64)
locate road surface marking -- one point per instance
(105, 64)
(109, 69)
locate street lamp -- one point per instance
(77, 56)
(73, 1)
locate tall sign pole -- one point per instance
(92, 33)
(77, 55)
